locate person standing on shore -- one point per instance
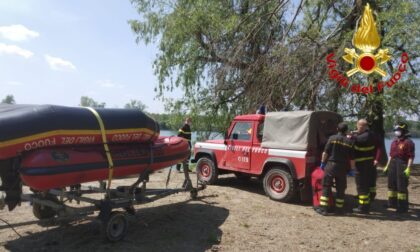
(366, 154)
(185, 132)
(336, 161)
(399, 167)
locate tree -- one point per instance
(9, 99)
(86, 101)
(230, 56)
(134, 104)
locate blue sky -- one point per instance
(57, 51)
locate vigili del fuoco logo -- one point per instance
(367, 59)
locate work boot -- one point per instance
(388, 205)
(402, 206)
(372, 196)
(361, 210)
(321, 210)
(392, 203)
(339, 211)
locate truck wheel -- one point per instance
(279, 185)
(207, 171)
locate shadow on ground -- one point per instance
(187, 226)
(378, 211)
(252, 185)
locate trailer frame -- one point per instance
(52, 203)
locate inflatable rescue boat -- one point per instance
(28, 127)
(64, 166)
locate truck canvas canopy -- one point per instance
(299, 130)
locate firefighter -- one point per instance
(398, 168)
(185, 132)
(366, 154)
(335, 163)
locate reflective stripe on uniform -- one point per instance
(341, 143)
(339, 203)
(363, 202)
(363, 196)
(363, 199)
(372, 189)
(392, 194)
(402, 196)
(324, 201)
(184, 132)
(367, 148)
(363, 159)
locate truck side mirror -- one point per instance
(235, 136)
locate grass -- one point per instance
(193, 166)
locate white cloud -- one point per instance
(14, 83)
(109, 84)
(59, 64)
(17, 33)
(12, 49)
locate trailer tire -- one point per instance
(279, 185)
(42, 212)
(207, 171)
(115, 228)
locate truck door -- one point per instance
(239, 144)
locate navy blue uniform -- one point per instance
(340, 152)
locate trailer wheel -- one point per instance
(115, 228)
(207, 171)
(42, 212)
(279, 185)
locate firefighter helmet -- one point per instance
(403, 127)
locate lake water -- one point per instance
(387, 143)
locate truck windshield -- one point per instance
(241, 131)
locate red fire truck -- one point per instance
(281, 148)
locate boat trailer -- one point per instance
(52, 203)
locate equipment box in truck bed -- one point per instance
(281, 148)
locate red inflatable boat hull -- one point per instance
(59, 167)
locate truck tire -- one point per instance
(279, 185)
(207, 171)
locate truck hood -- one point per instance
(214, 141)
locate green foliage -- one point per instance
(9, 99)
(86, 101)
(230, 56)
(164, 121)
(134, 104)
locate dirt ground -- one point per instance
(229, 216)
